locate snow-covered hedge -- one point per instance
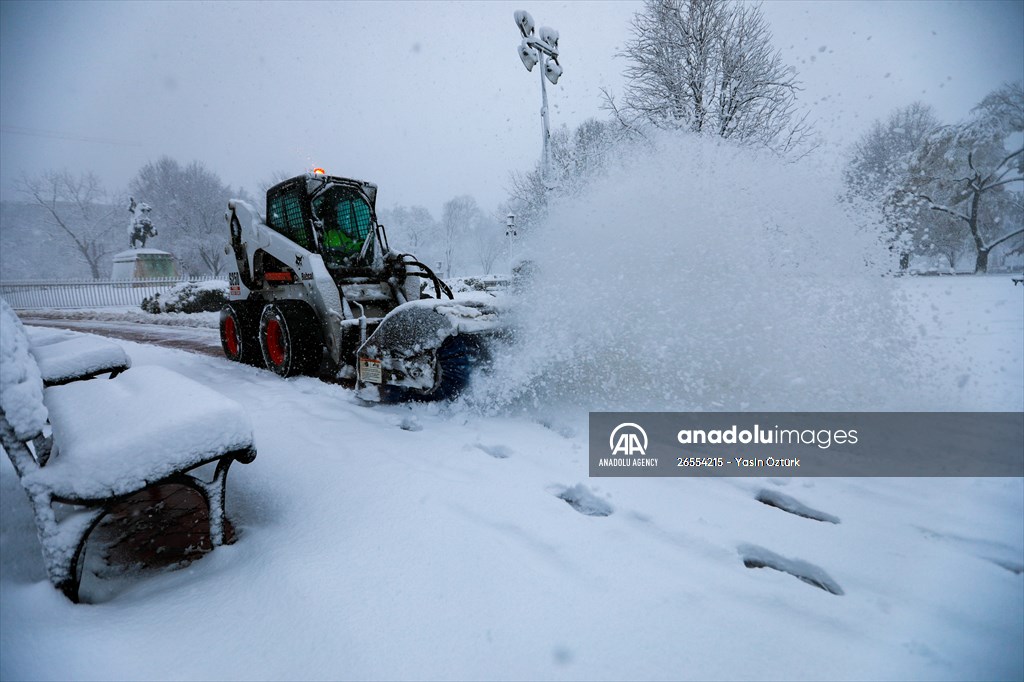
(490, 283)
(189, 297)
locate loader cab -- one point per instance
(325, 214)
(342, 220)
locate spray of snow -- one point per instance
(700, 275)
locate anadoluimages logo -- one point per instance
(628, 439)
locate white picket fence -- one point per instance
(86, 293)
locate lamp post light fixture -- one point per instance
(540, 46)
(510, 232)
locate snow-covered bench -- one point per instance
(92, 444)
(64, 356)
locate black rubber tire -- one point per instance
(290, 339)
(238, 334)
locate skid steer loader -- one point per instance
(315, 289)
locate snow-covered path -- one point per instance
(196, 339)
(430, 541)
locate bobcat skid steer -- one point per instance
(315, 289)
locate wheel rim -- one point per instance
(275, 342)
(231, 340)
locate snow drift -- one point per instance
(696, 274)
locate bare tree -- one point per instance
(188, 205)
(411, 228)
(489, 240)
(879, 171)
(458, 217)
(528, 197)
(78, 208)
(275, 177)
(964, 170)
(882, 155)
(943, 237)
(1005, 107)
(708, 66)
(577, 157)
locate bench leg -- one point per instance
(216, 491)
(63, 543)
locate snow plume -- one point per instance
(701, 275)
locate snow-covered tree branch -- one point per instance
(576, 157)
(879, 172)
(709, 66)
(962, 175)
(964, 170)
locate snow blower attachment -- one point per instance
(316, 289)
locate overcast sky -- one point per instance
(427, 99)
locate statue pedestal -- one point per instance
(144, 264)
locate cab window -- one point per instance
(346, 221)
(284, 215)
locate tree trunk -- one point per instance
(91, 258)
(981, 263)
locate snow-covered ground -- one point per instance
(435, 541)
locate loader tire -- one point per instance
(238, 334)
(290, 339)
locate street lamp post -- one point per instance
(540, 46)
(510, 232)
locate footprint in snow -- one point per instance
(496, 451)
(773, 498)
(561, 429)
(562, 655)
(410, 423)
(583, 500)
(759, 557)
(1001, 554)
